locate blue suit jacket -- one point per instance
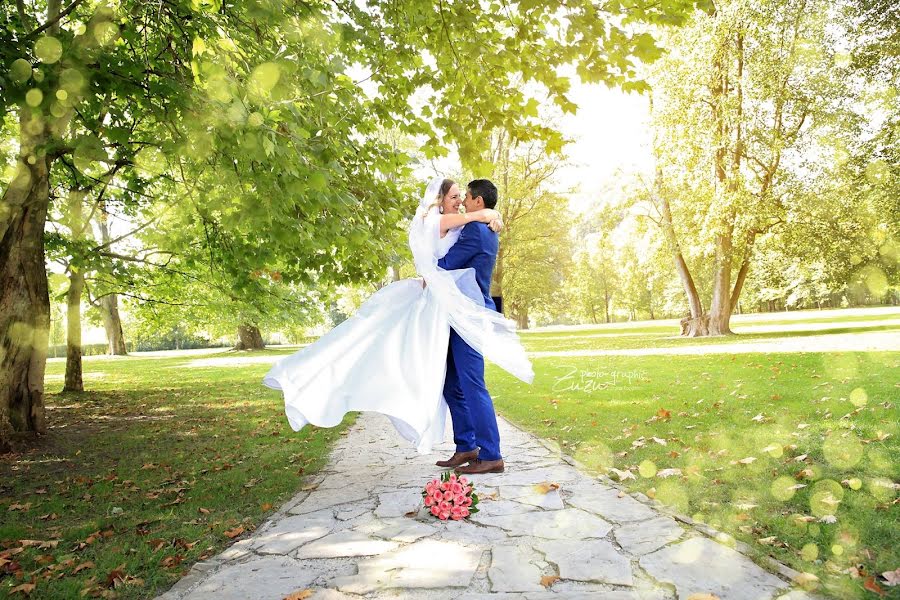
(477, 248)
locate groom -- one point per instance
(471, 408)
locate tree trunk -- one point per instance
(720, 306)
(109, 305)
(24, 297)
(606, 304)
(112, 322)
(522, 317)
(697, 321)
(74, 381)
(249, 338)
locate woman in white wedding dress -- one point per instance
(391, 356)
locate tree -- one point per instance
(252, 102)
(756, 83)
(535, 246)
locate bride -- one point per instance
(391, 356)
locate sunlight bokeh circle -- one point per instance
(825, 497)
(783, 488)
(48, 49)
(20, 70)
(882, 488)
(672, 493)
(810, 552)
(647, 469)
(265, 76)
(843, 452)
(859, 397)
(34, 97)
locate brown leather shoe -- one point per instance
(459, 458)
(477, 467)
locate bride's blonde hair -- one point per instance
(443, 191)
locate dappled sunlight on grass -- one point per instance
(795, 454)
(150, 467)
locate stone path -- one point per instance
(360, 534)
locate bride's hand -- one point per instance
(496, 225)
(490, 215)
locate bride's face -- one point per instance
(452, 200)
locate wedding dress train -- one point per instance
(391, 356)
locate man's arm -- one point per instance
(465, 248)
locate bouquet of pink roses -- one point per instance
(450, 497)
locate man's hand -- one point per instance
(496, 225)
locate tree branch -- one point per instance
(64, 13)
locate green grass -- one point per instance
(156, 440)
(161, 460)
(605, 411)
(670, 339)
(737, 322)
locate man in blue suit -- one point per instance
(471, 408)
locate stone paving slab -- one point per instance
(359, 531)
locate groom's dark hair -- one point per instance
(485, 189)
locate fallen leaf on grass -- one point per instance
(233, 533)
(116, 577)
(548, 580)
(266, 506)
(659, 441)
(746, 461)
(83, 566)
(204, 511)
(703, 596)
(891, 578)
(171, 561)
(25, 588)
(664, 414)
(299, 595)
(668, 473)
(623, 475)
(872, 586)
(807, 581)
(17, 506)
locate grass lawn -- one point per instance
(154, 468)
(796, 454)
(165, 459)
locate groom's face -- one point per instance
(472, 204)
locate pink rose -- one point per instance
(448, 495)
(456, 489)
(468, 502)
(452, 477)
(444, 506)
(429, 500)
(445, 486)
(456, 514)
(463, 480)
(435, 511)
(444, 515)
(460, 500)
(464, 512)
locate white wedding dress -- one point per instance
(391, 356)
